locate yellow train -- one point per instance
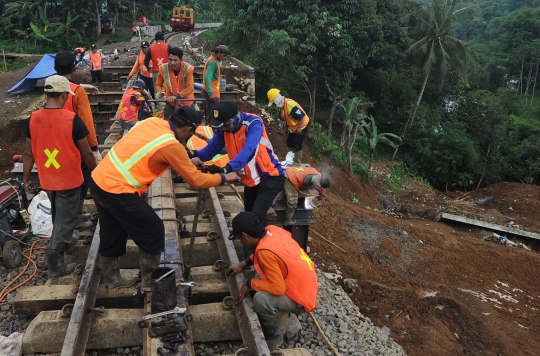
(182, 19)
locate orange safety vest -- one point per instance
(160, 55)
(215, 83)
(285, 114)
(95, 61)
(144, 72)
(57, 158)
(175, 86)
(125, 168)
(297, 175)
(197, 143)
(70, 103)
(261, 160)
(128, 111)
(301, 280)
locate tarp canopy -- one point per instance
(43, 69)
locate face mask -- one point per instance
(279, 100)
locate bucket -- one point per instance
(164, 290)
(223, 83)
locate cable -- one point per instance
(323, 335)
(13, 237)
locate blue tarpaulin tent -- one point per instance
(43, 69)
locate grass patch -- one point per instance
(15, 64)
(397, 174)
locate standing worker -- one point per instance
(127, 171)
(95, 62)
(287, 282)
(251, 154)
(56, 142)
(211, 79)
(176, 79)
(301, 178)
(133, 107)
(297, 121)
(64, 65)
(134, 30)
(144, 72)
(158, 53)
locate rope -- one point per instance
(334, 350)
(236, 191)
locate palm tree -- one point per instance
(438, 48)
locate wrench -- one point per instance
(176, 310)
(187, 284)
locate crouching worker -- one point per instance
(133, 107)
(56, 142)
(132, 164)
(288, 280)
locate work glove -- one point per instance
(217, 169)
(97, 156)
(191, 154)
(321, 193)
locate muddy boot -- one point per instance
(74, 239)
(288, 218)
(82, 225)
(297, 160)
(101, 88)
(57, 269)
(147, 263)
(274, 342)
(111, 271)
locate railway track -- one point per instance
(76, 313)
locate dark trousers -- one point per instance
(295, 140)
(97, 76)
(258, 199)
(87, 175)
(123, 215)
(209, 106)
(148, 85)
(64, 204)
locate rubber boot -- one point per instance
(74, 239)
(147, 263)
(111, 271)
(297, 161)
(82, 225)
(288, 217)
(86, 216)
(57, 268)
(101, 88)
(274, 342)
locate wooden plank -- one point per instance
(490, 226)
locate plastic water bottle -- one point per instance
(223, 83)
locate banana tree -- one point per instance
(373, 138)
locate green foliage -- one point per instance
(321, 143)
(395, 181)
(359, 167)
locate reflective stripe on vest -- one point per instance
(168, 83)
(124, 167)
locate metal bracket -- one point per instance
(212, 236)
(220, 265)
(207, 214)
(229, 303)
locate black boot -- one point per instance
(111, 271)
(55, 260)
(74, 239)
(147, 262)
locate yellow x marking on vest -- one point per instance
(306, 258)
(51, 158)
(299, 169)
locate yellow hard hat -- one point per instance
(272, 93)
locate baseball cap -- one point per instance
(247, 222)
(139, 83)
(64, 59)
(223, 112)
(187, 114)
(57, 84)
(159, 35)
(145, 44)
(93, 46)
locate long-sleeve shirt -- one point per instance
(211, 74)
(275, 270)
(254, 133)
(81, 105)
(139, 63)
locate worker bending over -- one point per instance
(300, 178)
(133, 107)
(144, 72)
(287, 283)
(158, 53)
(296, 120)
(211, 79)
(132, 164)
(56, 142)
(175, 79)
(251, 154)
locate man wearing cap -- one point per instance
(79, 54)
(296, 119)
(288, 281)
(301, 178)
(64, 65)
(95, 62)
(132, 164)
(144, 72)
(56, 142)
(211, 79)
(176, 79)
(158, 53)
(200, 139)
(133, 107)
(251, 154)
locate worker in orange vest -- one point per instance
(144, 72)
(133, 107)
(211, 79)
(202, 135)
(132, 164)
(287, 282)
(175, 79)
(134, 30)
(301, 178)
(158, 53)
(297, 122)
(80, 105)
(95, 62)
(56, 142)
(79, 54)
